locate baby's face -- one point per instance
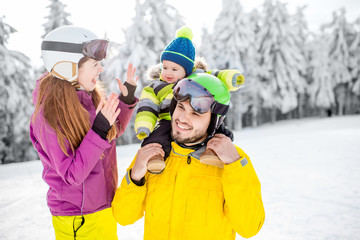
(171, 72)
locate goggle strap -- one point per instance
(61, 47)
(219, 108)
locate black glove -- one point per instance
(137, 183)
(101, 125)
(130, 98)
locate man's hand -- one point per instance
(143, 156)
(224, 148)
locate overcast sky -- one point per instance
(111, 16)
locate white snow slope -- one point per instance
(309, 170)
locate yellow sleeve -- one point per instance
(242, 191)
(232, 78)
(128, 205)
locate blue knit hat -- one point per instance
(181, 50)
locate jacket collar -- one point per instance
(182, 150)
(85, 98)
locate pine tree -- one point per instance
(232, 38)
(321, 86)
(230, 35)
(339, 38)
(134, 50)
(206, 49)
(355, 60)
(252, 84)
(281, 60)
(302, 32)
(57, 16)
(15, 101)
(154, 26)
(164, 20)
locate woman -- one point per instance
(74, 128)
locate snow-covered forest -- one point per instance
(290, 72)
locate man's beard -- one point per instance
(188, 140)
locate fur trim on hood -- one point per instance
(155, 71)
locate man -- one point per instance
(189, 199)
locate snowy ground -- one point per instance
(309, 170)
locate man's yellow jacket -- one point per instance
(191, 200)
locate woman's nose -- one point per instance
(101, 69)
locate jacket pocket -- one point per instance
(94, 190)
(159, 202)
(204, 201)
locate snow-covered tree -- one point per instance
(321, 86)
(251, 91)
(15, 101)
(57, 17)
(164, 20)
(302, 32)
(355, 59)
(232, 37)
(134, 50)
(281, 59)
(339, 40)
(154, 26)
(206, 49)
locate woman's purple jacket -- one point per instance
(84, 182)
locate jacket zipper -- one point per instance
(83, 198)
(188, 160)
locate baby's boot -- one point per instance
(209, 157)
(156, 164)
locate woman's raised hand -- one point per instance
(110, 109)
(131, 79)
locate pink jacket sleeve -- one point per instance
(125, 115)
(75, 168)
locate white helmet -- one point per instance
(63, 47)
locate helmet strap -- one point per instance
(76, 84)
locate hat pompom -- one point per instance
(184, 32)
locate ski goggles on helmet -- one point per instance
(201, 100)
(95, 49)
